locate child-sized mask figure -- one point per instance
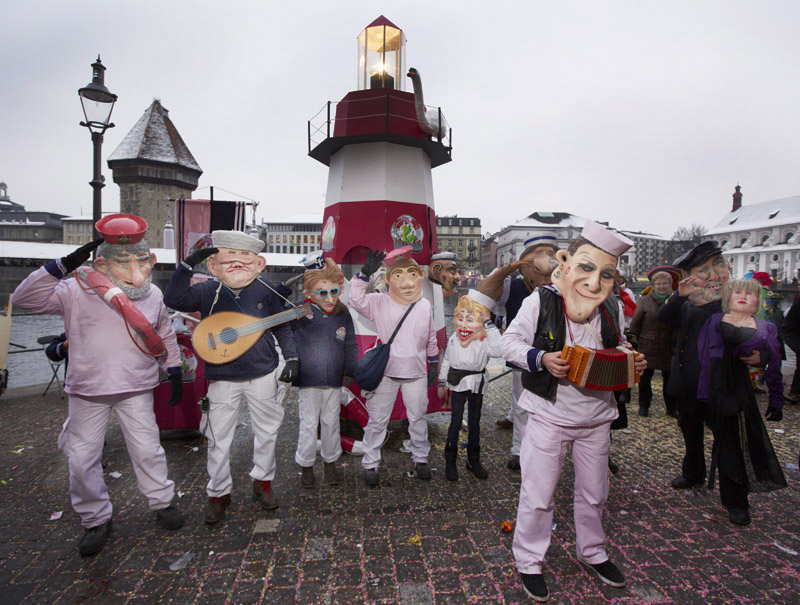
(585, 279)
(743, 298)
(468, 321)
(128, 267)
(236, 268)
(325, 294)
(405, 282)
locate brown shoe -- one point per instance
(262, 491)
(332, 476)
(215, 509)
(505, 424)
(308, 480)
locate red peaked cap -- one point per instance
(121, 228)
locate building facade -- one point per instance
(297, 234)
(153, 165)
(761, 237)
(461, 235)
(18, 224)
(488, 254)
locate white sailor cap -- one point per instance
(236, 240)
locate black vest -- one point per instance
(551, 336)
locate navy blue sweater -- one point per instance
(327, 347)
(256, 300)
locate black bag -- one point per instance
(370, 368)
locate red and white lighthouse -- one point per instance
(380, 189)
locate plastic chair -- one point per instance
(54, 366)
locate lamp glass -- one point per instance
(381, 58)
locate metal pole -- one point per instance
(329, 120)
(97, 181)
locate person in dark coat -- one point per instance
(654, 339)
(326, 344)
(742, 451)
(697, 298)
(790, 330)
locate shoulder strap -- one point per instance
(402, 319)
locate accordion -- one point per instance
(600, 369)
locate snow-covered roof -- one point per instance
(551, 219)
(642, 235)
(154, 137)
(759, 216)
(301, 219)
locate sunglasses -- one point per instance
(324, 293)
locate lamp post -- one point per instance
(98, 103)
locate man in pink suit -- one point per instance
(577, 310)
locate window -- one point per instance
(305, 239)
(271, 248)
(789, 236)
(70, 240)
(80, 227)
(271, 240)
(70, 227)
(764, 238)
(774, 214)
(774, 258)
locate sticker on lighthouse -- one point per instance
(406, 231)
(328, 233)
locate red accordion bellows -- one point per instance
(601, 369)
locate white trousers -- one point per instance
(82, 441)
(517, 415)
(544, 447)
(318, 406)
(266, 416)
(379, 406)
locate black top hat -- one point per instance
(697, 255)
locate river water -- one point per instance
(31, 367)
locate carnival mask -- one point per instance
(129, 271)
(325, 294)
(405, 283)
(445, 273)
(743, 301)
(541, 264)
(469, 327)
(712, 274)
(585, 279)
(236, 268)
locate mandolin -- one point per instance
(225, 336)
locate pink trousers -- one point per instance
(544, 447)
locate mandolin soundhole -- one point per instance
(228, 335)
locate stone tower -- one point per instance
(151, 165)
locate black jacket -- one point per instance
(327, 347)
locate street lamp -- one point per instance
(98, 103)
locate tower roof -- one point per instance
(382, 21)
(155, 138)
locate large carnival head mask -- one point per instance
(469, 315)
(237, 263)
(705, 263)
(741, 296)
(324, 286)
(585, 275)
(444, 271)
(124, 257)
(540, 252)
(403, 276)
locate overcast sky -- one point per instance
(641, 113)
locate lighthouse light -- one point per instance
(381, 56)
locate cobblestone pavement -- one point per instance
(407, 542)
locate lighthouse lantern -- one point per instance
(381, 56)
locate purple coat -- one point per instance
(710, 345)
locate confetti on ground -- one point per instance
(792, 466)
(182, 561)
(415, 540)
(628, 431)
(779, 430)
(116, 474)
(507, 526)
(56, 515)
(710, 518)
(19, 451)
(195, 449)
(786, 550)
(181, 494)
(623, 512)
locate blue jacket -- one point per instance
(257, 299)
(327, 347)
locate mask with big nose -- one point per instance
(585, 279)
(236, 268)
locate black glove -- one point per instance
(290, 371)
(198, 256)
(347, 381)
(373, 263)
(433, 373)
(73, 260)
(175, 390)
(773, 414)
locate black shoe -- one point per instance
(644, 412)
(613, 466)
(170, 517)
(422, 470)
(673, 413)
(607, 572)
(215, 509)
(94, 539)
(474, 465)
(513, 463)
(534, 585)
(505, 424)
(739, 516)
(372, 477)
(681, 482)
(307, 478)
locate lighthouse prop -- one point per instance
(380, 190)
